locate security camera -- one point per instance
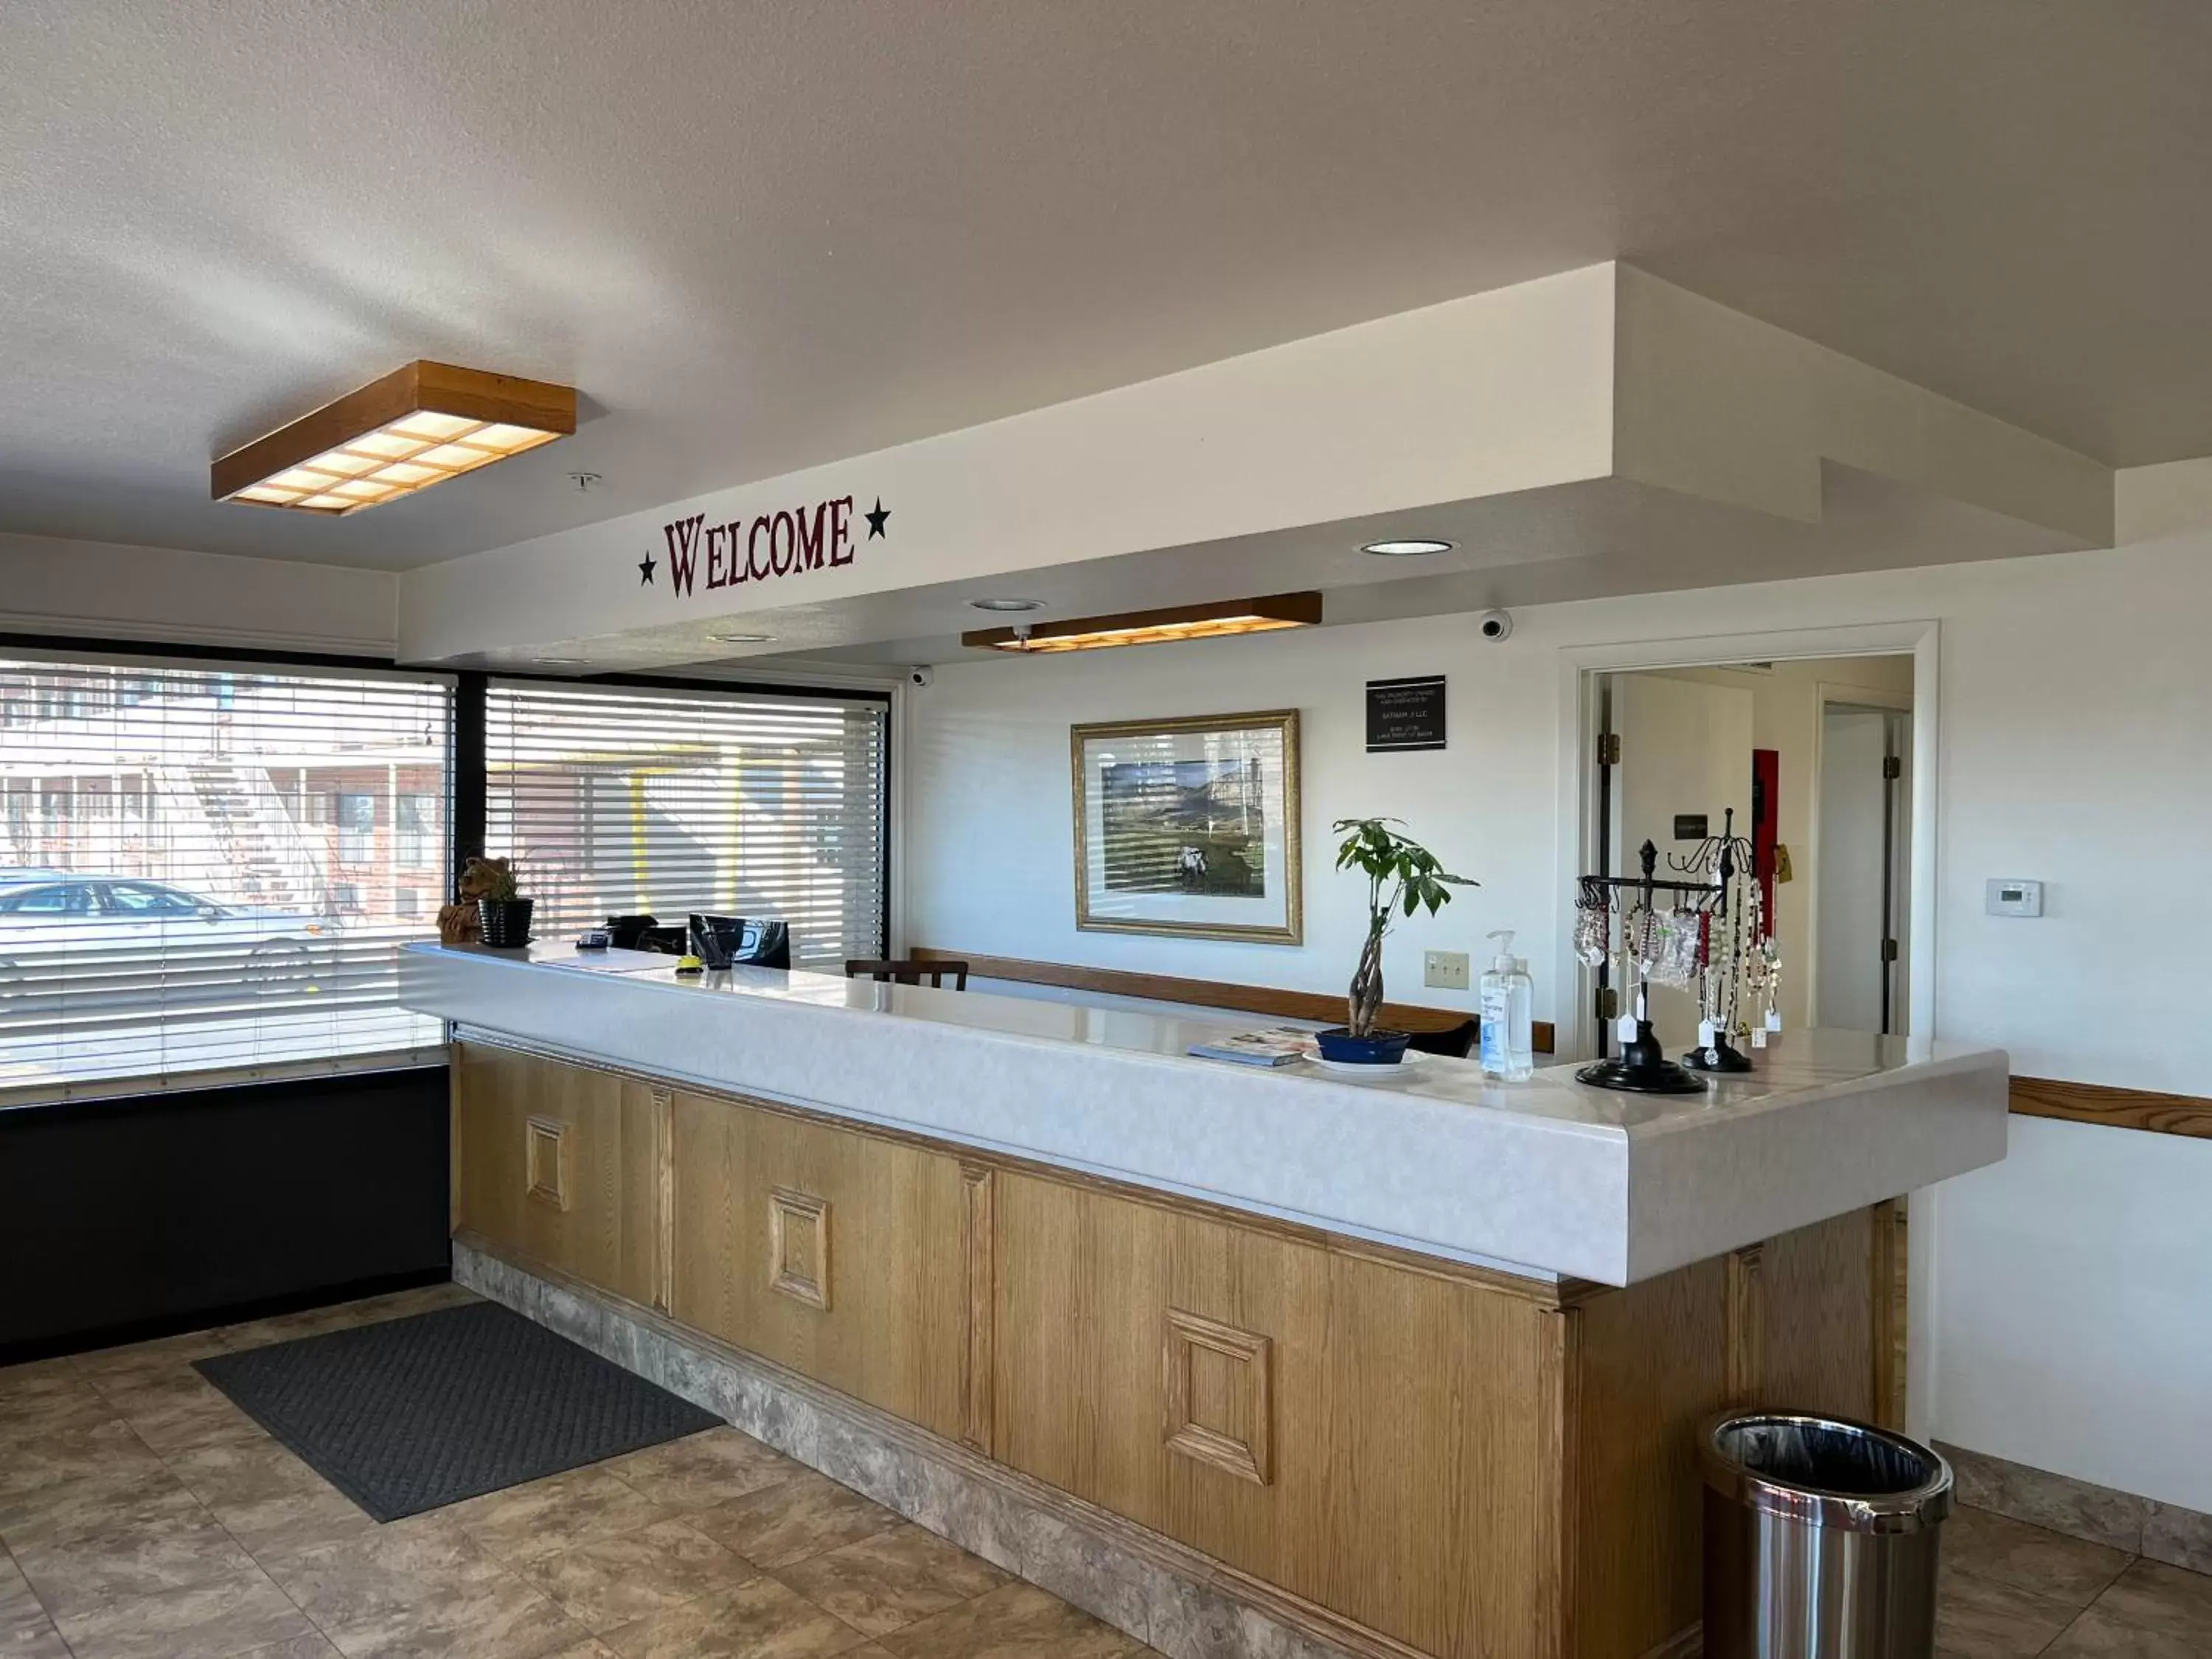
(920, 675)
(1496, 625)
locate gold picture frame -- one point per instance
(1184, 827)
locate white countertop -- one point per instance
(1547, 1177)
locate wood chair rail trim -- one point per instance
(2115, 1108)
(2031, 1096)
(1207, 994)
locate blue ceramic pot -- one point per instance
(1379, 1048)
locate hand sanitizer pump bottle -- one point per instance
(1508, 997)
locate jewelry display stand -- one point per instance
(1734, 929)
(1642, 1066)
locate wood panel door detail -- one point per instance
(839, 1255)
(1220, 1395)
(799, 1246)
(545, 1161)
(557, 1163)
(1400, 1442)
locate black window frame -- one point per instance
(470, 786)
(466, 758)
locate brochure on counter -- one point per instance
(1279, 1045)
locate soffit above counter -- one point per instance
(1597, 431)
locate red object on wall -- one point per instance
(1765, 819)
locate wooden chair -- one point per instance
(1456, 1042)
(934, 972)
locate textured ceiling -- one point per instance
(759, 236)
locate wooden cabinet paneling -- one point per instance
(837, 1253)
(1650, 1364)
(1407, 1466)
(1469, 1463)
(1797, 1323)
(557, 1162)
(1821, 1342)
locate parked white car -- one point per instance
(112, 939)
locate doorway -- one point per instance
(1861, 871)
(1808, 761)
(1692, 739)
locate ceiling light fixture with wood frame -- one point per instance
(416, 427)
(1185, 622)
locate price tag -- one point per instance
(1704, 1034)
(1759, 1039)
(1773, 1020)
(1626, 1029)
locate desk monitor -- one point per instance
(735, 942)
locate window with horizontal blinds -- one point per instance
(624, 801)
(206, 870)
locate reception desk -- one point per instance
(1239, 1359)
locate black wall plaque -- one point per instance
(1407, 714)
(1690, 826)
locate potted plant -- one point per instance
(504, 913)
(1402, 877)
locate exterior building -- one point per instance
(206, 782)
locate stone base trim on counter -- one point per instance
(1171, 1597)
(2080, 1509)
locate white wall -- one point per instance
(2076, 704)
(2073, 1304)
(989, 847)
(1600, 373)
(103, 590)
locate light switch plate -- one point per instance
(2010, 896)
(1444, 970)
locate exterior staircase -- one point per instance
(266, 862)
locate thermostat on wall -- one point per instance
(2009, 898)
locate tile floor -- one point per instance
(144, 1517)
(2013, 1590)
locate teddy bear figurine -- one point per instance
(460, 922)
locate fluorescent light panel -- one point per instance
(1196, 622)
(416, 427)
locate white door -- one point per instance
(1858, 854)
(1684, 757)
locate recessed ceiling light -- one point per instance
(742, 639)
(418, 426)
(1007, 605)
(558, 662)
(1407, 547)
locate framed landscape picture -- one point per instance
(1189, 827)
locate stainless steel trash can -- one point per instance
(1821, 1538)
